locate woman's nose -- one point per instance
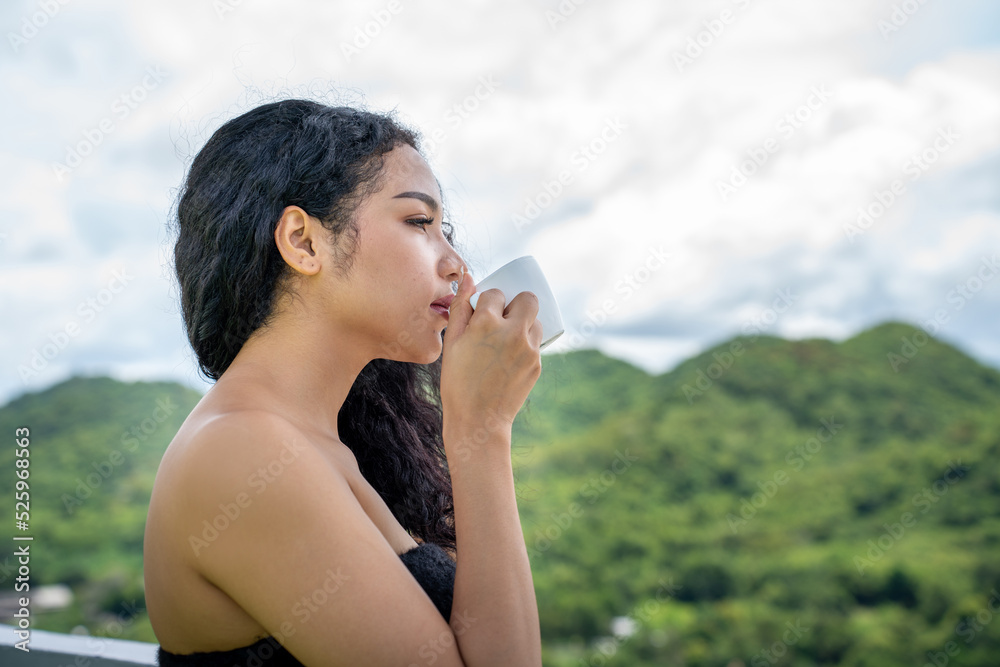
(454, 272)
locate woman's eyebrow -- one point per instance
(425, 198)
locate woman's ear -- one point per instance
(298, 236)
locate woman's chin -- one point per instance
(426, 354)
(432, 355)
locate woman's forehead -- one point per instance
(405, 167)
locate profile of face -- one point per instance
(401, 264)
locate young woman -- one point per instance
(343, 494)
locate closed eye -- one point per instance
(421, 222)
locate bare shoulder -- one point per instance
(249, 448)
(227, 462)
(272, 521)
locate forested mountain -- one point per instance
(766, 502)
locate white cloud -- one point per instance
(551, 92)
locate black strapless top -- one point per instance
(433, 569)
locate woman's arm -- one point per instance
(491, 361)
(494, 613)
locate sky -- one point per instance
(683, 172)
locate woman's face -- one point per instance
(401, 264)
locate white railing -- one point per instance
(54, 649)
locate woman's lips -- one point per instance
(443, 304)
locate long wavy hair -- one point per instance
(326, 160)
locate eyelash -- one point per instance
(421, 222)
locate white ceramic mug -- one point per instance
(524, 275)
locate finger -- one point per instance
(460, 310)
(535, 334)
(524, 305)
(493, 300)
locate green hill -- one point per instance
(765, 471)
(95, 446)
(767, 502)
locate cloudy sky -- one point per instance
(683, 171)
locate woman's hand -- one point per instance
(490, 359)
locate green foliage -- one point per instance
(95, 445)
(849, 488)
(768, 502)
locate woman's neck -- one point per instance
(304, 368)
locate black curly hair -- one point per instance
(326, 160)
